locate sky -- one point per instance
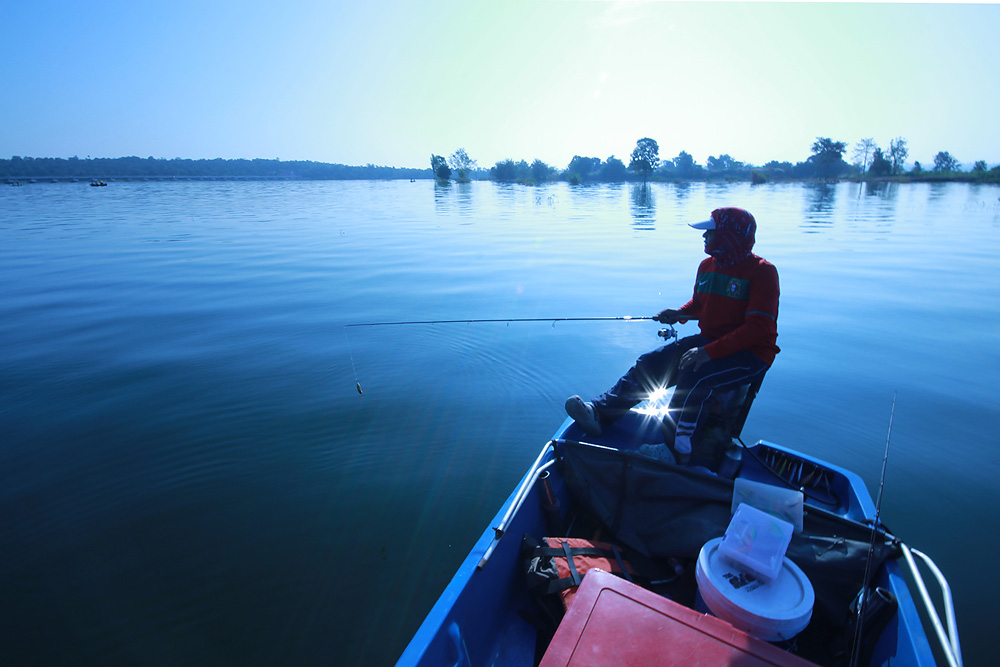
(389, 82)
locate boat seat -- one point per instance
(723, 422)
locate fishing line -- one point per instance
(350, 353)
(863, 602)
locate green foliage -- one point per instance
(725, 167)
(880, 165)
(541, 172)
(462, 163)
(440, 168)
(827, 159)
(645, 157)
(898, 152)
(944, 161)
(722, 163)
(979, 167)
(685, 166)
(508, 171)
(828, 149)
(585, 168)
(778, 170)
(614, 170)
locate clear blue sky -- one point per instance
(391, 81)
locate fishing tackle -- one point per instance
(863, 600)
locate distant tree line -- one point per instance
(826, 163)
(157, 168)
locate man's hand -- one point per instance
(668, 316)
(694, 357)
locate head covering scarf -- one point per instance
(734, 236)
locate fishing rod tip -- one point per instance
(358, 385)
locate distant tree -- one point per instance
(645, 157)
(980, 166)
(613, 170)
(898, 152)
(828, 157)
(863, 152)
(720, 163)
(584, 168)
(880, 165)
(944, 161)
(685, 165)
(917, 168)
(508, 171)
(540, 171)
(440, 167)
(774, 165)
(723, 163)
(462, 163)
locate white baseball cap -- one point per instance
(704, 224)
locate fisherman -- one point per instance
(736, 303)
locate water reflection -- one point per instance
(682, 191)
(820, 201)
(878, 209)
(642, 204)
(883, 190)
(938, 191)
(454, 197)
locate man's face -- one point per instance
(708, 236)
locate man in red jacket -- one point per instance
(736, 303)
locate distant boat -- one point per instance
(98, 184)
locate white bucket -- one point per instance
(774, 611)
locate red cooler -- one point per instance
(615, 623)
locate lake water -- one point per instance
(188, 474)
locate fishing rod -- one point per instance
(863, 602)
(663, 333)
(626, 318)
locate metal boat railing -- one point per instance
(536, 469)
(947, 637)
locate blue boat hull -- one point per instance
(477, 619)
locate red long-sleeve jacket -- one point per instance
(737, 307)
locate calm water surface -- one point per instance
(189, 476)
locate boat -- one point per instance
(657, 597)
(98, 184)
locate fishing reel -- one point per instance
(667, 333)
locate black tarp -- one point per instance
(662, 510)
